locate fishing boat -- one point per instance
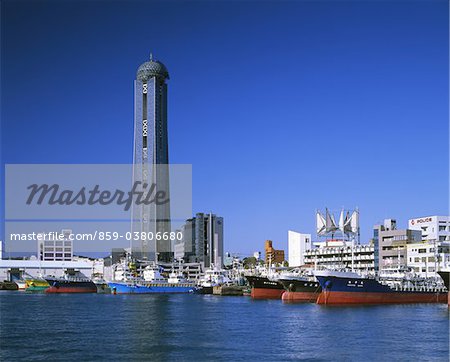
(36, 285)
(8, 285)
(21, 284)
(264, 288)
(76, 283)
(352, 288)
(152, 282)
(213, 277)
(300, 289)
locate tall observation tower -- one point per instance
(151, 157)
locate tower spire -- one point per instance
(151, 56)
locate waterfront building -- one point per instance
(151, 157)
(298, 244)
(391, 244)
(338, 254)
(12, 269)
(202, 240)
(51, 248)
(432, 254)
(433, 228)
(426, 258)
(273, 256)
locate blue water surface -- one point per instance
(87, 327)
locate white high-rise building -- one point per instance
(297, 245)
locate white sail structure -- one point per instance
(348, 224)
(354, 222)
(330, 222)
(320, 223)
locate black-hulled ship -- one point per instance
(445, 275)
(265, 288)
(70, 284)
(300, 289)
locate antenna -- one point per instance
(151, 56)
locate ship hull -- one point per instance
(264, 288)
(380, 298)
(68, 289)
(8, 286)
(37, 289)
(263, 293)
(69, 286)
(358, 291)
(124, 288)
(36, 285)
(204, 290)
(300, 290)
(445, 275)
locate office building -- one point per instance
(433, 228)
(391, 244)
(202, 240)
(432, 254)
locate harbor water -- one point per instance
(183, 327)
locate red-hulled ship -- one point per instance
(300, 290)
(69, 284)
(264, 288)
(350, 288)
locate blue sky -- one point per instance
(282, 108)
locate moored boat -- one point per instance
(152, 282)
(36, 285)
(70, 284)
(351, 288)
(445, 275)
(264, 288)
(8, 285)
(101, 284)
(300, 290)
(213, 277)
(21, 284)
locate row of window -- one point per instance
(57, 243)
(57, 255)
(431, 259)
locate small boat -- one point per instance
(36, 285)
(101, 284)
(7, 285)
(21, 284)
(213, 277)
